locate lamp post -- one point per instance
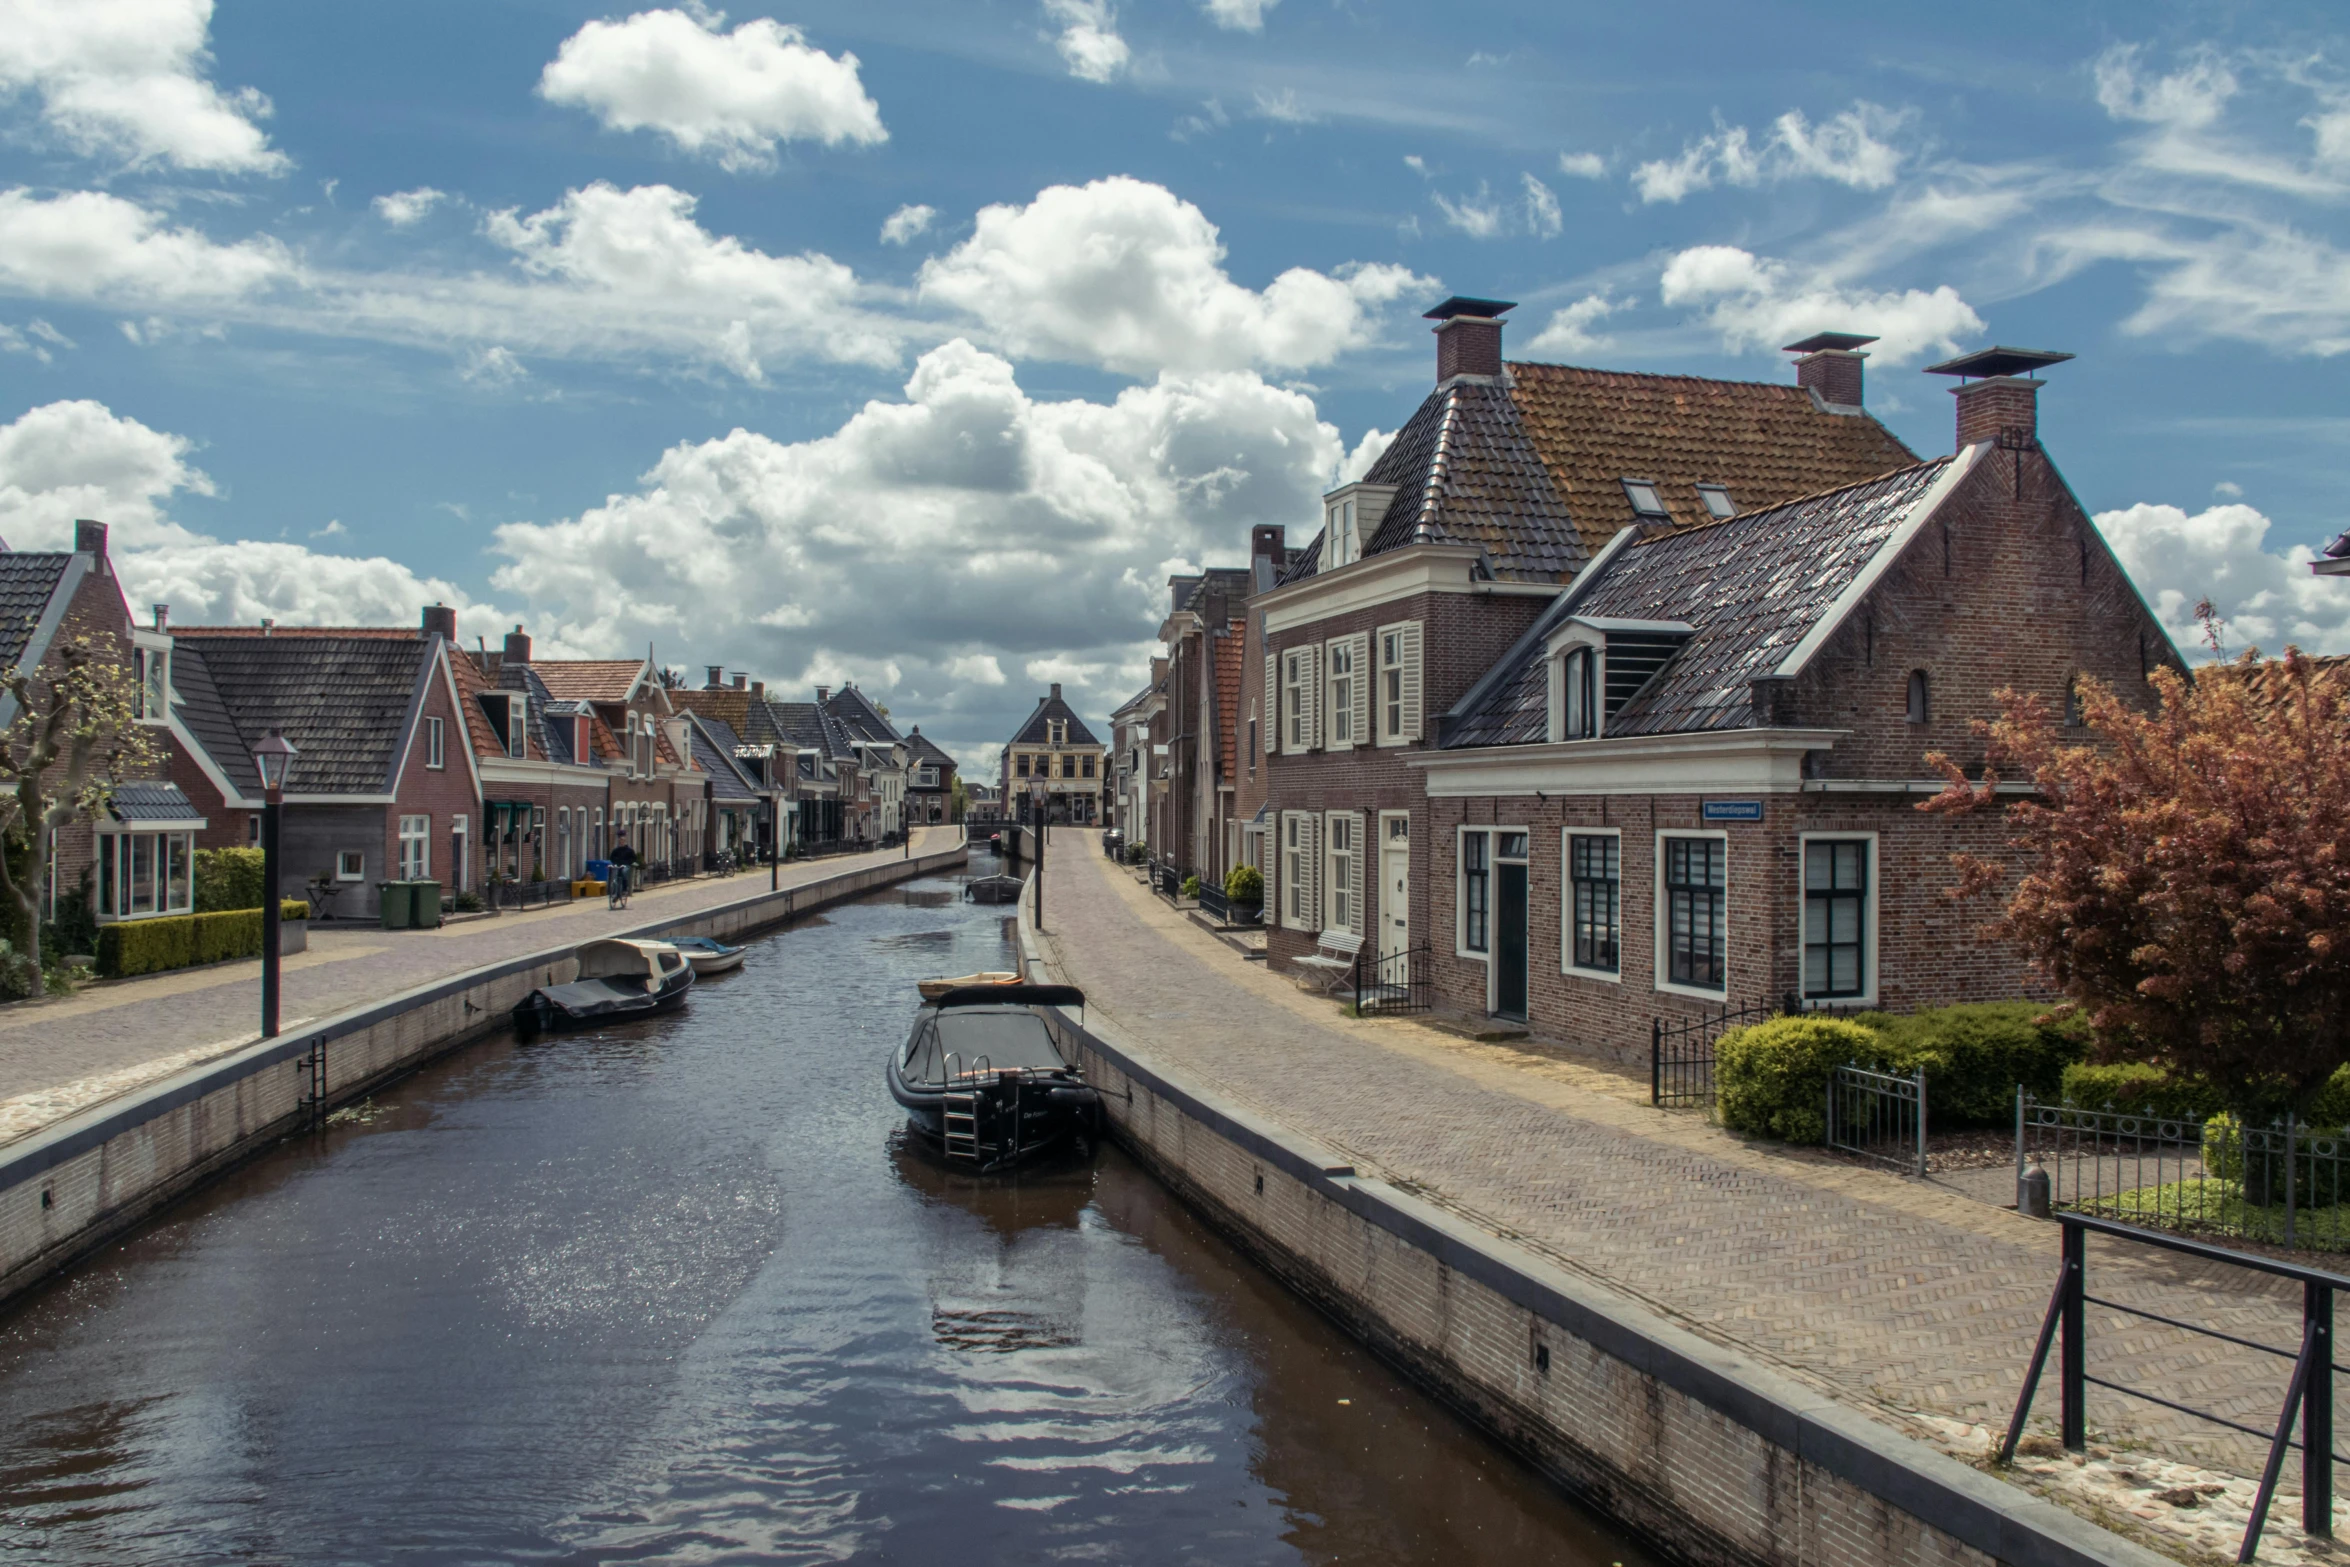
(774, 842)
(1036, 800)
(273, 759)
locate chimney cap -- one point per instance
(1999, 361)
(1463, 305)
(1838, 342)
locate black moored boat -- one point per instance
(982, 1078)
(993, 889)
(617, 980)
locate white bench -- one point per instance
(1334, 953)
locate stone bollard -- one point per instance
(2031, 1193)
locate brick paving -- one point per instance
(1910, 1299)
(63, 1054)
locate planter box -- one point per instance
(292, 936)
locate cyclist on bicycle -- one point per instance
(623, 870)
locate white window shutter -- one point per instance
(1272, 722)
(1412, 728)
(1357, 875)
(1359, 724)
(1311, 832)
(1313, 696)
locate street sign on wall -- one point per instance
(1732, 810)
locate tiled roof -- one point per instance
(27, 580)
(1033, 731)
(1766, 442)
(147, 800)
(1752, 587)
(589, 679)
(396, 633)
(857, 713)
(343, 701)
(1470, 474)
(716, 757)
(927, 750)
(470, 686)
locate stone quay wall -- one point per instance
(1697, 1448)
(71, 1188)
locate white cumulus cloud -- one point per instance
(1753, 301)
(729, 96)
(1569, 331)
(88, 245)
(1583, 165)
(1088, 38)
(904, 224)
(1240, 16)
(1852, 148)
(66, 460)
(403, 207)
(1122, 274)
(2267, 596)
(127, 79)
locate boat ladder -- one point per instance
(959, 1112)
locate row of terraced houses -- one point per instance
(1606, 697)
(489, 770)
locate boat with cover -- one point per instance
(618, 979)
(993, 889)
(932, 989)
(708, 955)
(982, 1077)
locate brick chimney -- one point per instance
(717, 681)
(1468, 337)
(1268, 552)
(517, 648)
(2004, 403)
(1830, 366)
(742, 682)
(823, 694)
(758, 690)
(1056, 691)
(163, 617)
(89, 538)
(439, 621)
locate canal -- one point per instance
(680, 1291)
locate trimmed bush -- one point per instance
(183, 940)
(227, 879)
(2135, 1088)
(1190, 888)
(1245, 884)
(1772, 1078)
(1975, 1053)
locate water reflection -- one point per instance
(682, 1290)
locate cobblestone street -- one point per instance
(1913, 1299)
(64, 1054)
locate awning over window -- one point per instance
(507, 815)
(144, 802)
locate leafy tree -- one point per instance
(2186, 882)
(75, 736)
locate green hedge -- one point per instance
(184, 940)
(1772, 1078)
(227, 879)
(2139, 1089)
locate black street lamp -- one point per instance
(273, 759)
(1036, 797)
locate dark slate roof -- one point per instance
(856, 713)
(927, 750)
(713, 746)
(1753, 587)
(145, 800)
(1033, 731)
(27, 582)
(343, 701)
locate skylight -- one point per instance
(1717, 500)
(1644, 498)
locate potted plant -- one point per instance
(1244, 889)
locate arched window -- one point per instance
(1921, 698)
(1582, 711)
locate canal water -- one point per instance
(681, 1291)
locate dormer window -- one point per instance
(1647, 504)
(1350, 515)
(1717, 501)
(517, 718)
(1581, 718)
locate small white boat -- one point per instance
(709, 956)
(932, 989)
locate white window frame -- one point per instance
(1342, 891)
(1339, 691)
(1296, 888)
(1460, 896)
(1870, 943)
(1567, 963)
(415, 848)
(460, 853)
(343, 869)
(113, 859)
(436, 752)
(1662, 917)
(1397, 654)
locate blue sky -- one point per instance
(917, 343)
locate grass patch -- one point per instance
(2218, 1208)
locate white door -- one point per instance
(1395, 884)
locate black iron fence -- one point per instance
(527, 894)
(2281, 1185)
(2309, 1391)
(1681, 1051)
(1879, 1116)
(1387, 982)
(1167, 879)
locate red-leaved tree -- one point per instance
(2186, 880)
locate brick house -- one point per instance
(877, 762)
(385, 780)
(653, 790)
(930, 781)
(1498, 490)
(1203, 632)
(1132, 786)
(1054, 746)
(739, 714)
(546, 767)
(136, 858)
(824, 781)
(1692, 781)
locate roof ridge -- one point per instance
(1685, 530)
(1782, 387)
